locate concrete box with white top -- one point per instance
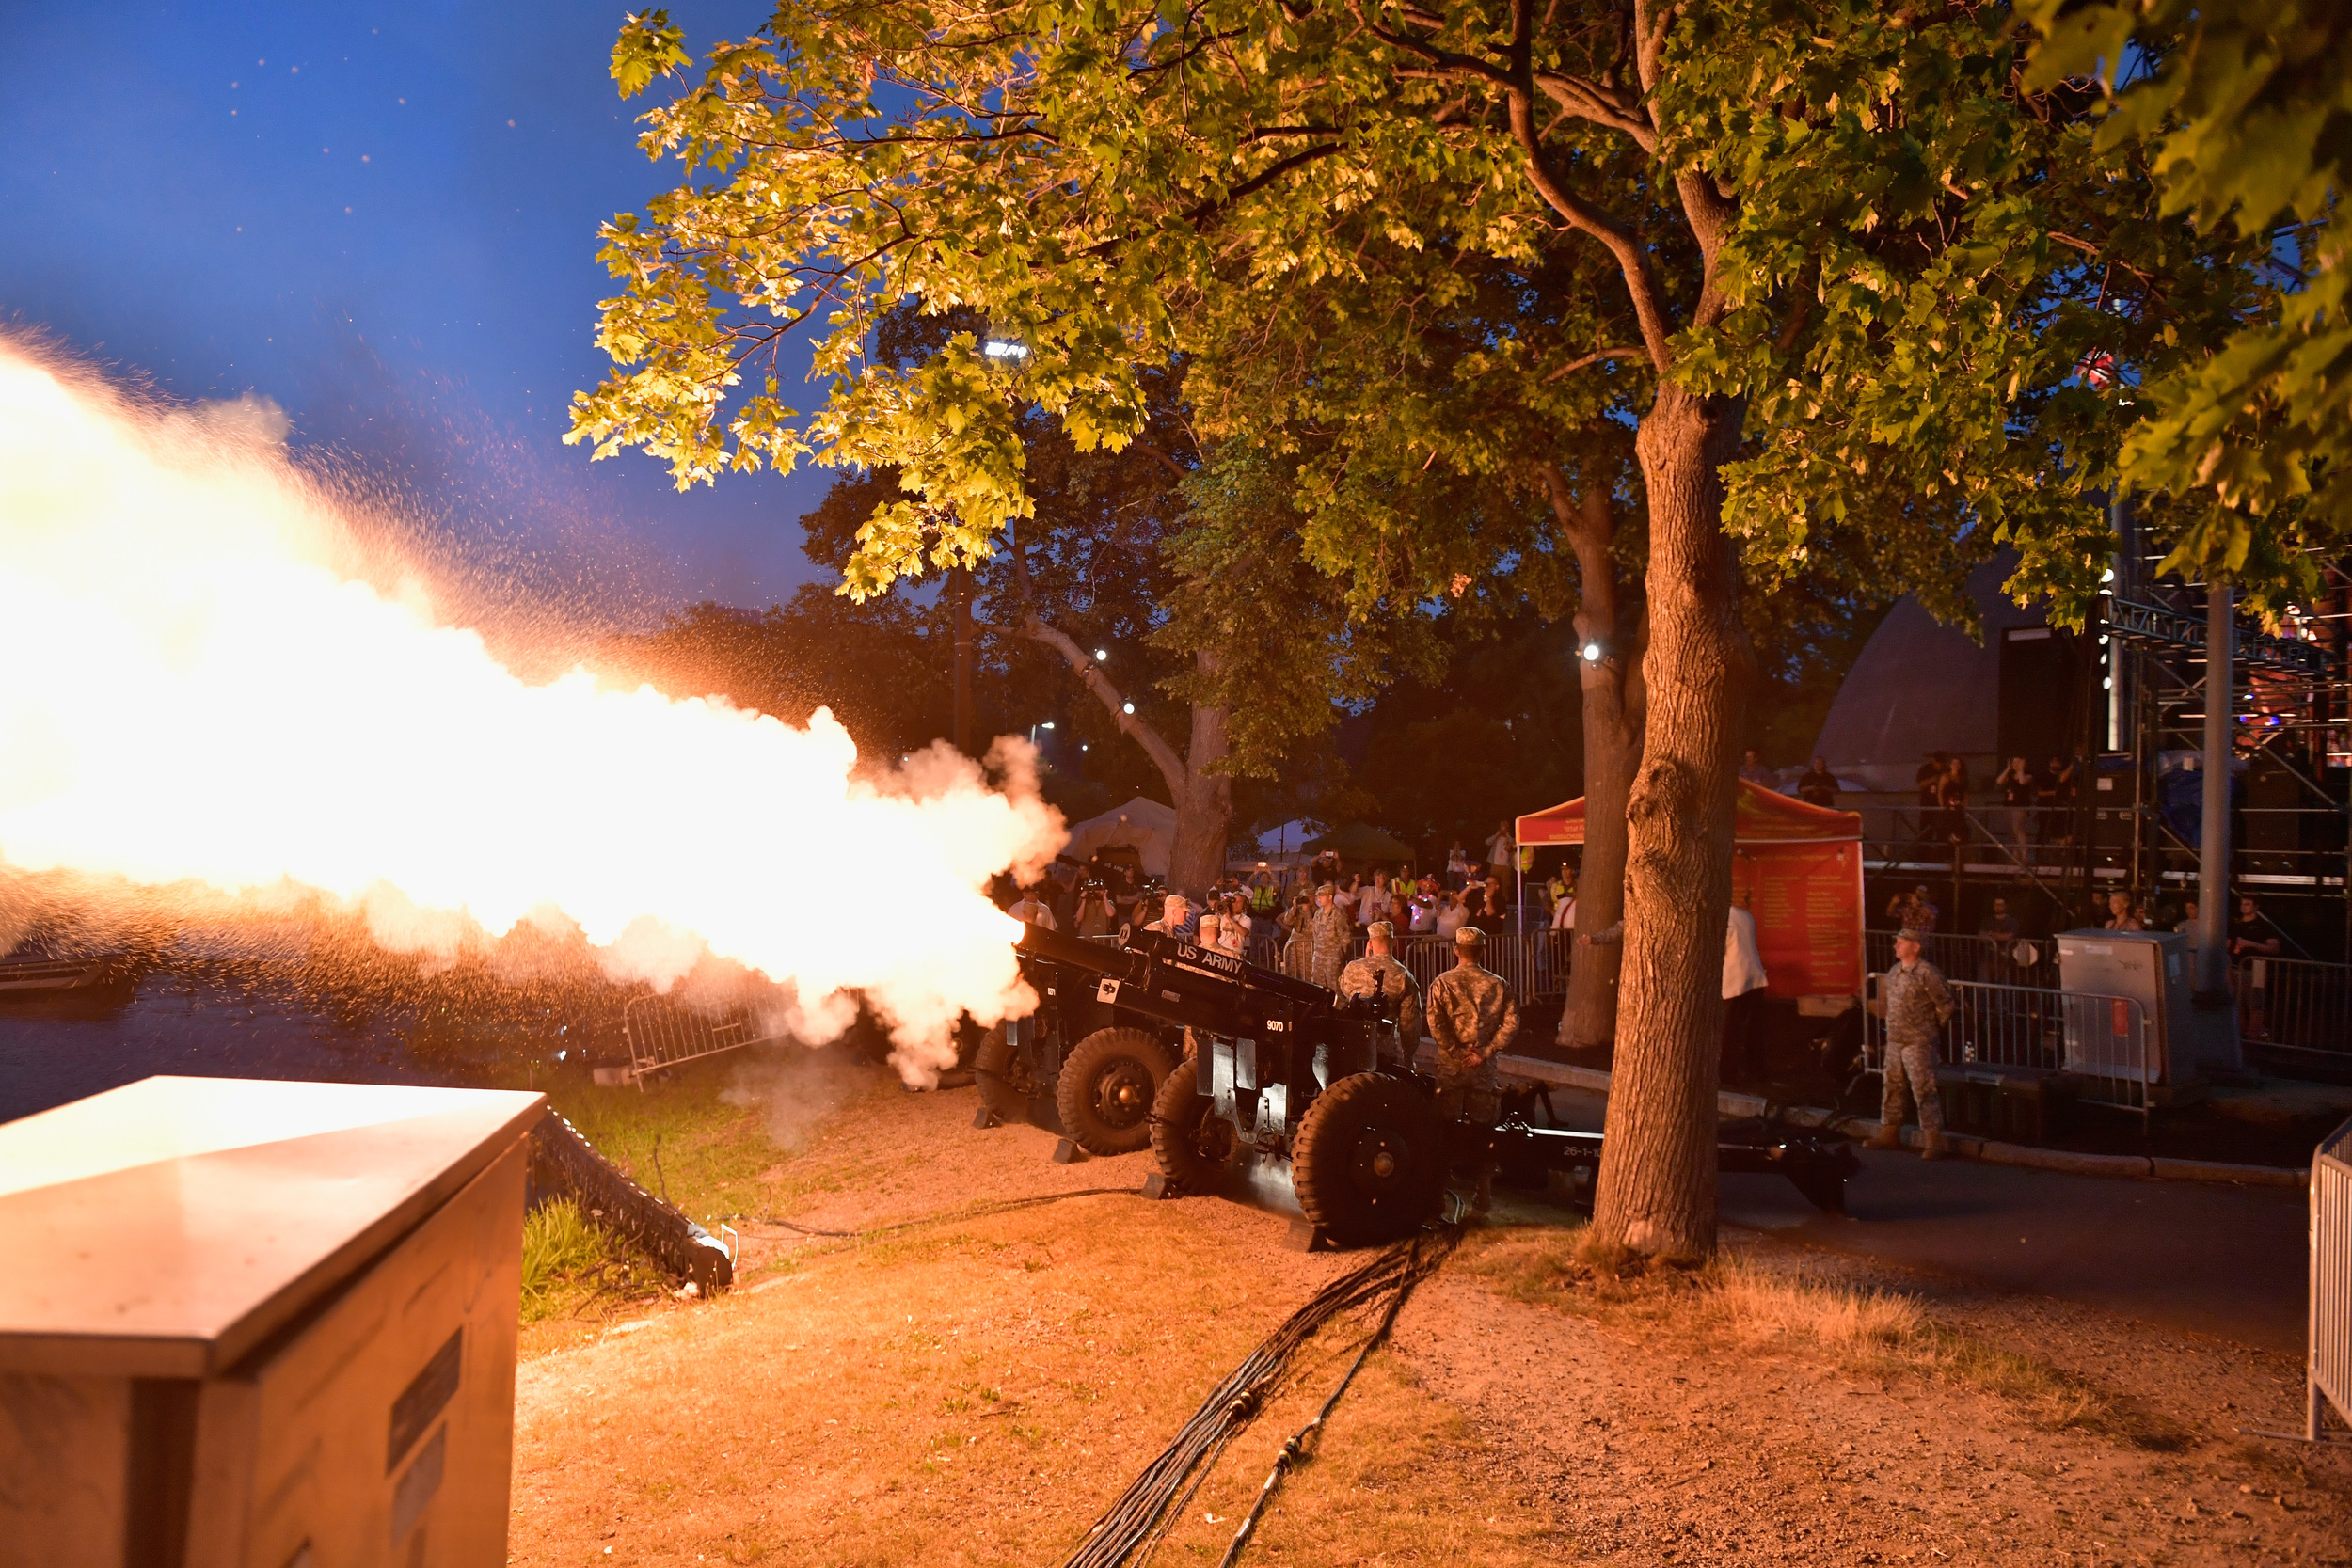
(262, 1324)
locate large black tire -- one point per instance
(1109, 1084)
(1006, 1084)
(1366, 1162)
(1194, 1148)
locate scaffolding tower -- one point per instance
(2129, 689)
(2290, 768)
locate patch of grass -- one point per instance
(701, 1137)
(1878, 1330)
(1864, 1329)
(1842, 1318)
(565, 1255)
(1567, 1266)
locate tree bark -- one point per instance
(1613, 697)
(1657, 1189)
(1204, 804)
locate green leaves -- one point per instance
(2245, 113)
(649, 47)
(1341, 249)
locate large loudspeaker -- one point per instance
(2045, 680)
(262, 1324)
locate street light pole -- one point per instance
(2213, 848)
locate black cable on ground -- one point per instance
(1294, 1450)
(1144, 1513)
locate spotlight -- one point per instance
(1592, 653)
(2108, 576)
(1127, 707)
(1101, 654)
(1049, 723)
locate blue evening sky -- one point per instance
(383, 217)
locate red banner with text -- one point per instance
(1808, 903)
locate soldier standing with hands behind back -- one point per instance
(1471, 1017)
(1916, 1001)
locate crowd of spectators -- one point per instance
(2035, 810)
(1256, 915)
(2252, 934)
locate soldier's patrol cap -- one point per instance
(1380, 929)
(1470, 936)
(1907, 934)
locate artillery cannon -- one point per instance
(1089, 1062)
(1284, 1100)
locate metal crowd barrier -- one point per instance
(2329, 1376)
(1532, 964)
(664, 1032)
(2295, 1004)
(2104, 1041)
(1981, 960)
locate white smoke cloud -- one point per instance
(205, 678)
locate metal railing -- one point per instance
(1981, 961)
(2104, 1041)
(2294, 1005)
(664, 1032)
(2330, 1375)
(1534, 964)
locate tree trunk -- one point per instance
(1612, 749)
(1656, 1190)
(1612, 693)
(1204, 800)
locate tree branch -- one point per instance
(1590, 101)
(1200, 214)
(1038, 629)
(1595, 359)
(1641, 277)
(1165, 461)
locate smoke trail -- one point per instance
(204, 677)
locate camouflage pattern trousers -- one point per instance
(1912, 1062)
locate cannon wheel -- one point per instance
(1109, 1084)
(1007, 1083)
(1194, 1148)
(1365, 1163)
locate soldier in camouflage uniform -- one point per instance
(1916, 1002)
(1330, 932)
(1473, 1019)
(1379, 974)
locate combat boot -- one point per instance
(1887, 1136)
(1932, 1147)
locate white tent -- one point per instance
(1287, 842)
(1146, 826)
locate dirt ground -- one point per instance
(979, 1389)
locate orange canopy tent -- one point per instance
(1797, 867)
